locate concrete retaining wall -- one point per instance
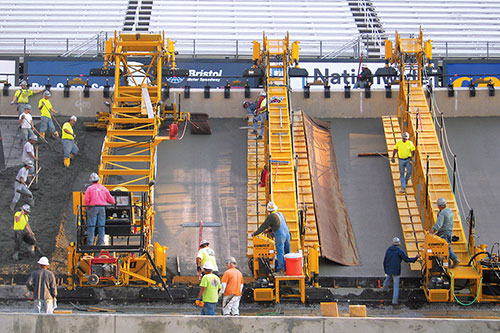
(337, 106)
(22, 322)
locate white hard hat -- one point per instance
(396, 241)
(43, 261)
(94, 177)
(26, 208)
(262, 93)
(33, 137)
(24, 83)
(29, 163)
(441, 202)
(406, 135)
(73, 118)
(271, 206)
(27, 106)
(208, 265)
(231, 260)
(203, 242)
(47, 93)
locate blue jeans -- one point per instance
(282, 243)
(387, 283)
(69, 147)
(262, 117)
(47, 122)
(251, 109)
(27, 132)
(405, 164)
(447, 235)
(21, 107)
(360, 84)
(96, 213)
(208, 309)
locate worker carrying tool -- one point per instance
(23, 232)
(21, 187)
(47, 111)
(206, 254)
(21, 97)
(68, 141)
(42, 283)
(231, 288)
(26, 122)
(28, 154)
(365, 79)
(209, 290)
(260, 115)
(277, 223)
(405, 150)
(97, 197)
(444, 227)
(392, 267)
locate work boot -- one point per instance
(455, 263)
(67, 162)
(12, 206)
(15, 256)
(71, 156)
(55, 134)
(31, 250)
(42, 135)
(259, 137)
(254, 132)
(281, 272)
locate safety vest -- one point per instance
(22, 221)
(67, 126)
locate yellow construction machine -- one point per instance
(477, 277)
(127, 168)
(275, 61)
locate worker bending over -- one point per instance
(47, 111)
(405, 150)
(42, 283)
(206, 254)
(276, 221)
(68, 140)
(260, 115)
(22, 96)
(97, 197)
(209, 290)
(21, 187)
(231, 289)
(444, 228)
(23, 232)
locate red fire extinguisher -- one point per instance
(173, 130)
(264, 174)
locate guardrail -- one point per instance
(233, 48)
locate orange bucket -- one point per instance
(293, 263)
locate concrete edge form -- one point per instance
(358, 105)
(22, 322)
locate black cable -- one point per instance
(474, 256)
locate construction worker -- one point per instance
(392, 267)
(21, 187)
(365, 78)
(68, 140)
(260, 115)
(251, 107)
(444, 228)
(26, 122)
(22, 97)
(23, 232)
(277, 223)
(28, 154)
(96, 199)
(209, 290)
(206, 254)
(47, 111)
(405, 150)
(42, 283)
(231, 288)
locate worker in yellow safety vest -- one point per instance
(405, 150)
(23, 232)
(22, 97)
(206, 254)
(68, 140)
(47, 111)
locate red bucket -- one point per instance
(293, 262)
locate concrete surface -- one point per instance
(337, 106)
(22, 322)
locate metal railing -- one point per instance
(232, 48)
(354, 45)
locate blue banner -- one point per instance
(462, 74)
(201, 73)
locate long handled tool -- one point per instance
(12, 146)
